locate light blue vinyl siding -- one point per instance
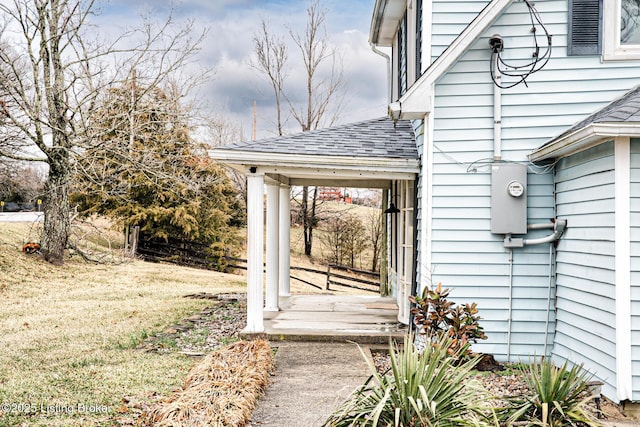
(465, 255)
(585, 287)
(635, 267)
(450, 18)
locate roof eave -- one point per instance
(584, 138)
(416, 102)
(384, 21)
(315, 161)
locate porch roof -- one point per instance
(619, 118)
(367, 154)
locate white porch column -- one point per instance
(273, 236)
(255, 241)
(285, 240)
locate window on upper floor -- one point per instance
(621, 29)
(402, 57)
(418, 39)
(607, 27)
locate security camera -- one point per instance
(496, 42)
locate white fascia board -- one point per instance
(328, 173)
(418, 104)
(416, 99)
(584, 138)
(315, 164)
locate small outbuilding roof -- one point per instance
(619, 118)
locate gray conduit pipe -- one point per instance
(546, 325)
(510, 305)
(541, 226)
(558, 225)
(558, 228)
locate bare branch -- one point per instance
(55, 75)
(272, 56)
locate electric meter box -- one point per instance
(508, 198)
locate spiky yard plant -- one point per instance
(558, 396)
(423, 389)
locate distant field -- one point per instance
(320, 251)
(69, 334)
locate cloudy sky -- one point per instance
(229, 47)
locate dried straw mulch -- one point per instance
(221, 390)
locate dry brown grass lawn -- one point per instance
(69, 334)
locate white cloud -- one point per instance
(229, 47)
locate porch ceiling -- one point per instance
(367, 154)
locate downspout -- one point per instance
(387, 228)
(375, 49)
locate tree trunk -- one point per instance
(312, 219)
(307, 229)
(374, 259)
(308, 218)
(56, 210)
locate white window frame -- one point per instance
(612, 49)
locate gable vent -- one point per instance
(585, 27)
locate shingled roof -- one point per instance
(367, 154)
(371, 138)
(624, 109)
(619, 118)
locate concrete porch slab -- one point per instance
(334, 318)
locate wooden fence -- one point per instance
(336, 275)
(175, 251)
(194, 254)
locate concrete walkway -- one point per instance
(311, 380)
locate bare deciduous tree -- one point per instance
(323, 96)
(53, 71)
(324, 82)
(374, 229)
(345, 238)
(271, 60)
(220, 131)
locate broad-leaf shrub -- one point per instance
(436, 316)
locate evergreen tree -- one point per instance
(149, 172)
